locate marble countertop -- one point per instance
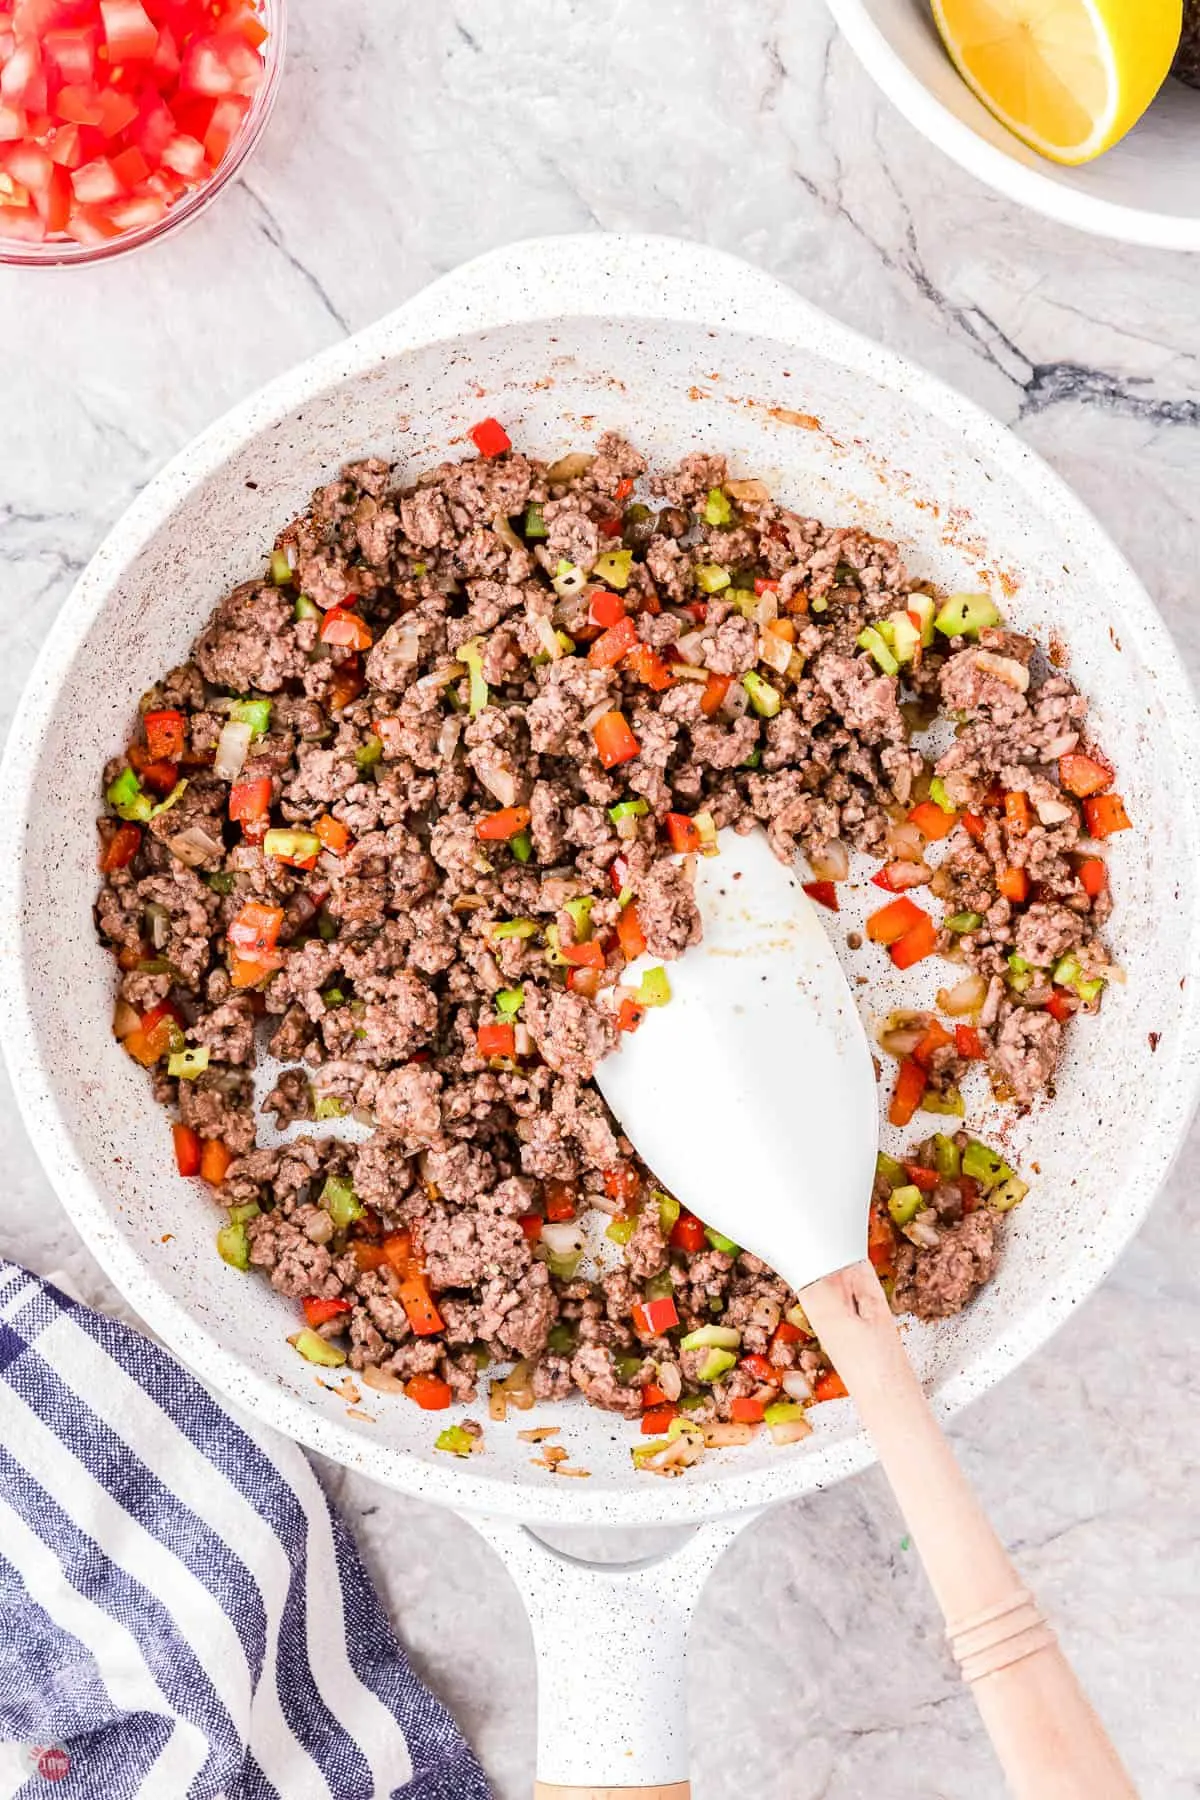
(409, 137)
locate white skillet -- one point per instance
(752, 1096)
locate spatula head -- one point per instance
(752, 1093)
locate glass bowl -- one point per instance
(64, 252)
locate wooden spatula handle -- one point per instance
(1049, 1741)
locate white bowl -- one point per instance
(1144, 191)
(681, 347)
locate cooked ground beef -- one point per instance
(426, 661)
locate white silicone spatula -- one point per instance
(752, 1096)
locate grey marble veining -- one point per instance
(410, 136)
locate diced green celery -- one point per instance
(628, 809)
(966, 615)
(561, 1340)
(316, 1349)
(820, 604)
(660, 1286)
(706, 825)
(1003, 1199)
(417, 570)
(220, 882)
(127, 800)
(983, 1165)
(1020, 975)
(922, 607)
(764, 698)
(642, 1453)
(783, 1412)
(949, 1102)
(1090, 990)
(482, 1355)
(565, 1268)
(689, 1402)
(1067, 971)
(947, 1158)
(456, 1441)
(710, 578)
(753, 760)
(717, 510)
(331, 1106)
(333, 996)
(906, 638)
(176, 794)
(471, 653)
(369, 753)
(534, 525)
(716, 1364)
(613, 568)
(305, 608)
(681, 1428)
(904, 1203)
(891, 1170)
(568, 579)
(628, 1369)
(281, 568)
(796, 1315)
(655, 988)
(624, 897)
(341, 1202)
(554, 955)
(668, 1211)
(327, 926)
(870, 639)
(743, 600)
(254, 713)
(964, 921)
(712, 1337)
(294, 845)
(185, 1065)
(939, 796)
(724, 1245)
(233, 1246)
(509, 1002)
(580, 913)
(514, 928)
(621, 1230)
(566, 644)
(241, 1215)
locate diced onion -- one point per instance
(571, 580)
(797, 1386)
(449, 735)
(232, 748)
(901, 1032)
(505, 532)
(831, 862)
(1061, 746)
(685, 671)
(691, 647)
(754, 492)
(1003, 668)
(405, 647)
(159, 920)
(597, 713)
(922, 1231)
(564, 1239)
(766, 1313)
(517, 1388)
(382, 1380)
(1052, 812)
(547, 637)
(905, 842)
(904, 875)
(766, 609)
(775, 651)
(569, 467)
(523, 1040)
(967, 997)
(500, 782)
(717, 1436)
(125, 1019)
(193, 845)
(790, 1431)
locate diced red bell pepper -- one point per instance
(121, 848)
(250, 801)
(745, 1410)
(499, 827)
(687, 1234)
(560, 1201)
(1104, 815)
(652, 1317)
(531, 1224)
(898, 877)
(881, 1244)
(683, 833)
(936, 1038)
(1060, 1006)
(490, 438)
(910, 1091)
(659, 1420)
(584, 956)
(1016, 812)
(921, 1177)
(319, 1312)
(618, 874)
(188, 1149)
(166, 734)
(931, 821)
(974, 825)
(915, 945)
(630, 936)
(629, 1015)
(968, 1043)
(890, 923)
(615, 742)
(787, 1333)
(624, 489)
(347, 684)
(249, 971)
(345, 629)
(160, 777)
(713, 698)
(824, 893)
(763, 586)
(584, 981)
(760, 1369)
(605, 608)
(420, 1307)
(399, 1255)
(1013, 883)
(430, 1392)
(653, 1395)
(615, 643)
(622, 1183)
(369, 1256)
(333, 834)
(611, 527)
(496, 1039)
(649, 668)
(215, 1159)
(1083, 775)
(1093, 876)
(830, 1387)
(256, 928)
(968, 1187)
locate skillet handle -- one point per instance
(1049, 1742)
(611, 1640)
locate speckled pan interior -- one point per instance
(681, 348)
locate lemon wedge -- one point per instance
(1069, 77)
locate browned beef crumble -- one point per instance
(390, 960)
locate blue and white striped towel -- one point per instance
(182, 1616)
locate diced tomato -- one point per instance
(65, 146)
(319, 1312)
(166, 732)
(490, 438)
(881, 1244)
(630, 935)
(223, 64)
(713, 698)
(215, 1159)
(71, 50)
(931, 821)
(348, 682)
(1104, 815)
(652, 1317)
(249, 971)
(499, 827)
(398, 1253)
(656, 1422)
(605, 608)
(747, 1411)
(968, 1043)
(129, 32)
(531, 1224)
(889, 924)
(910, 1090)
(687, 1234)
(345, 629)
(23, 79)
(256, 928)
(936, 1038)
(53, 202)
(623, 1184)
(615, 742)
(560, 1201)
(1013, 884)
(610, 527)
(974, 825)
(915, 945)
(1016, 812)
(496, 1039)
(430, 1392)
(615, 643)
(921, 1177)
(649, 668)
(629, 1015)
(1083, 775)
(419, 1304)
(968, 1187)
(117, 112)
(121, 848)
(761, 1370)
(584, 981)
(185, 156)
(333, 834)
(228, 117)
(787, 1333)
(898, 877)
(683, 833)
(1093, 876)
(250, 801)
(823, 892)
(1060, 1006)
(830, 1387)
(369, 1256)
(188, 1149)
